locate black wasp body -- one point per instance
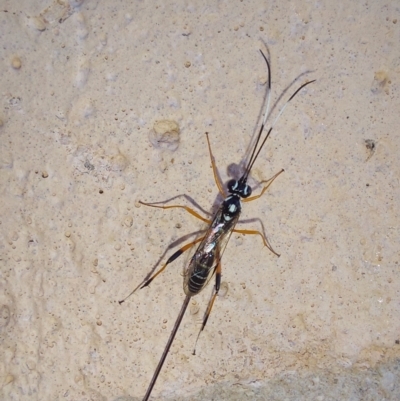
(206, 260)
(208, 255)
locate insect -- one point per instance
(206, 260)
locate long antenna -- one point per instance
(256, 152)
(266, 112)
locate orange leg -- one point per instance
(210, 302)
(170, 260)
(176, 255)
(188, 209)
(255, 232)
(269, 182)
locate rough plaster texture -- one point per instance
(82, 84)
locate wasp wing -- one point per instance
(205, 260)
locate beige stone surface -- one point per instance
(82, 85)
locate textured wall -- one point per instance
(82, 84)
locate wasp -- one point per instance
(206, 260)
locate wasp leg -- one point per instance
(210, 303)
(269, 182)
(255, 232)
(176, 255)
(214, 167)
(188, 209)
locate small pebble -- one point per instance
(224, 288)
(165, 135)
(16, 63)
(128, 221)
(194, 308)
(37, 23)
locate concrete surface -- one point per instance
(82, 85)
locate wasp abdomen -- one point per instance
(203, 267)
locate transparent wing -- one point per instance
(204, 261)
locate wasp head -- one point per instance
(240, 188)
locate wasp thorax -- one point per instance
(239, 188)
(231, 207)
